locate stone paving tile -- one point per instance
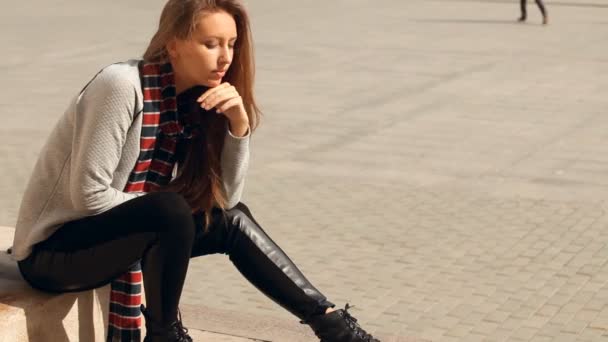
(205, 336)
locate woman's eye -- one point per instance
(210, 45)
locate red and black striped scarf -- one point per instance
(162, 129)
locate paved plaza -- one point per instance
(434, 163)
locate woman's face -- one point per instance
(204, 58)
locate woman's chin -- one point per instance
(213, 83)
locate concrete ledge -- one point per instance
(30, 315)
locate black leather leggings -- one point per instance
(540, 5)
(159, 230)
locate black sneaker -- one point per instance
(338, 326)
(174, 332)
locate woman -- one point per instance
(148, 165)
(541, 6)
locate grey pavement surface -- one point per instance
(433, 163)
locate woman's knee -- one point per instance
(239, 209)
(240, 217)
(172, 211)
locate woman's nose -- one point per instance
(225, 56)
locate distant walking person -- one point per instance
(541, 6)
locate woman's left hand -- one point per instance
(226, 100)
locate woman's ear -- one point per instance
(172, 48)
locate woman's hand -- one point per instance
(226, 100)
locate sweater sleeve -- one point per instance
(234, 164)
(103, 116)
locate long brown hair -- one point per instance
(199, 178)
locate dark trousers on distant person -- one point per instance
(524, 13)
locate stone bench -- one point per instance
(30, 315)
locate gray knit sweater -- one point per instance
(89, 155)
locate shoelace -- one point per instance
(352, 323)
(182, 331)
